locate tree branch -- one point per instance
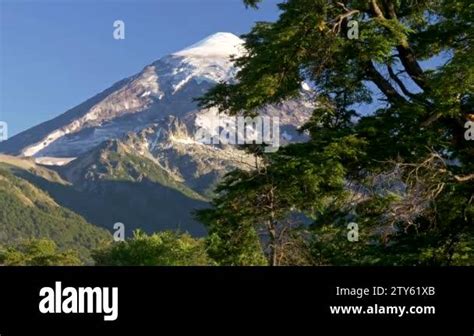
(383, 85)
(404, 89)
(390, 9)
(405, 53)
(408, 59)
(464, 178)
(399, 82)
(376, 9)
(340, 18)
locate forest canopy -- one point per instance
(388, 149)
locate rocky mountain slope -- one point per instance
(165, 88)
(129, 154)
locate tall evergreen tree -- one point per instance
(394, 91)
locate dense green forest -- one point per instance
(28, 212)
(166, 248)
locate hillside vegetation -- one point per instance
(28, 212)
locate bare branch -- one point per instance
(376, 9)
(340, 18)
(464, 178)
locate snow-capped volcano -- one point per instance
(130, 152)
(162, 90)
(165, 87)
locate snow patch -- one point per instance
(53, 161)
(219, 44)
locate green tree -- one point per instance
(37, 252)
(159, 249)
(399, 164)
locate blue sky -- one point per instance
(55, 54)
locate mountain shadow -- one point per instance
(141, 205)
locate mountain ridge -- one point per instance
(165, 87)
(129, 154)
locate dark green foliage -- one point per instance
(401, 169)
(28, 212)
(232, 239)
(252, 3)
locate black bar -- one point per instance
(199, 300)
